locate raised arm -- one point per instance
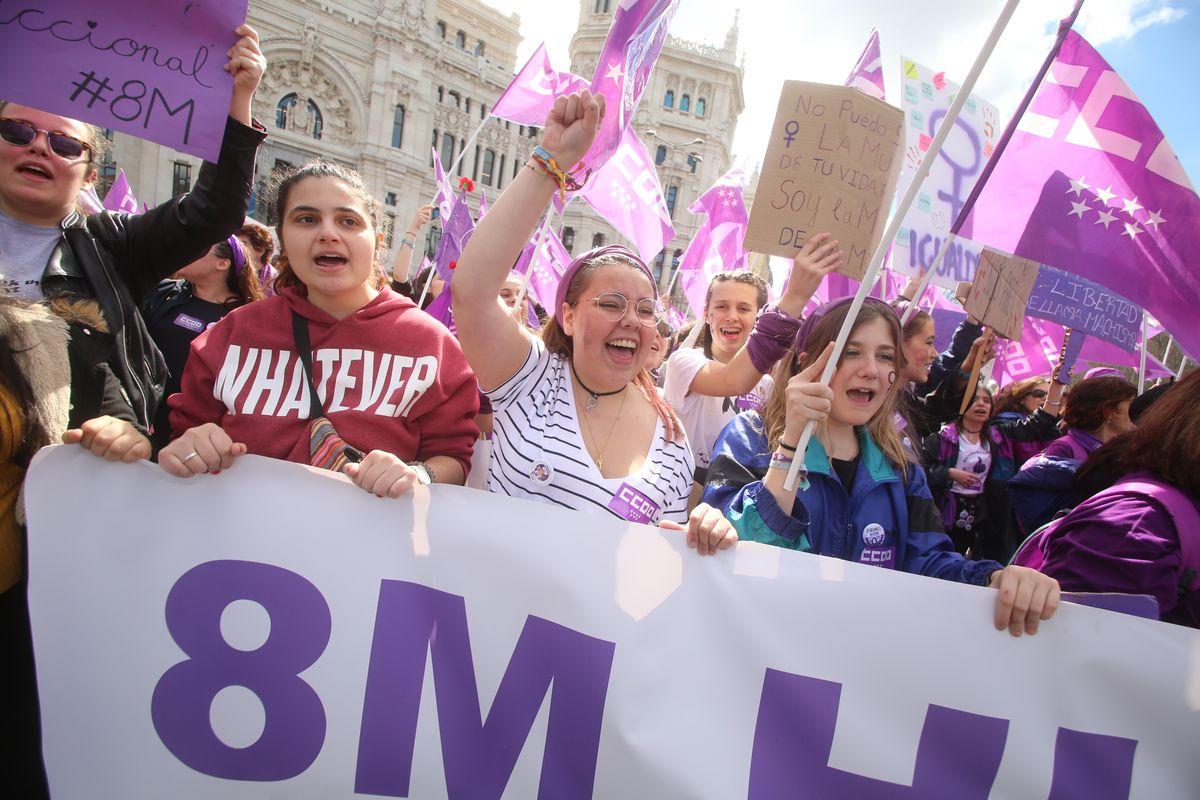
(819, 256)
(494, 347)
(407, 249)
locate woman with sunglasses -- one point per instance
(578, 421)
(49, 250)
(1036, 400)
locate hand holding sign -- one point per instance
(819, 256)
(1000, 291)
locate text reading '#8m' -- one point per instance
(130, 103)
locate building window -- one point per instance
(389, 199)
(598, 240)
(433, 147)
(658, 265)
(455, 98)
(479, 47)
(483, 111)
(441, 95)
(475, 168)
(660, 155)
(602, 6)
(489, 166)
(672, 194)
(568, 239)
(500, 172)
(700, 107)
(447, 152)
(669, 99)
(398, 127)
(467, 106)
(516, 166)
(181, 178)
(675, 258)
(685, 103)
(460, 40)
(441, 30)
(692, 162)
(283, 111)
(318, 121)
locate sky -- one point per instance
(1153, 44)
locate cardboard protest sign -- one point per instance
(831, 165)
(926, 96)
(1086, 307)
(1001, 290)
(150, 68)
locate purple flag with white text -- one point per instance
(1086, 182)
(717, 245)
(531, 94)
(444, 197)
(627, 193)
(120, 196)
(867, 75)
(639, 28)
(548, 265)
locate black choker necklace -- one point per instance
(593, 396)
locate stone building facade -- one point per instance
(375, 84)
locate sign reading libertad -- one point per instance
(831, 165)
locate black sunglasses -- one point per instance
(21, 133)
(1039, 393)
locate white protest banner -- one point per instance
(831, 165)
(1000, 292)
(149, 68)
(274, 631)
(926, 96)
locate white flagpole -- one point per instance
(1142, 359)
(893, 227)
(1182, 367)
(537, 251)
(467, 146)
(428, 280)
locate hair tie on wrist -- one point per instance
(787, 447)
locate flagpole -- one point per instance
(1001, 145)
(1182, 367)
(537, 250)
(1142, 359)
(910, 195)
(428, 280)
(467, 146)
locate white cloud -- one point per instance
(818, 40)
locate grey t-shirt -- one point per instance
(24, 251)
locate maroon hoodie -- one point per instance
(389, 377)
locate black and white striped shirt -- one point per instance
(538, 451)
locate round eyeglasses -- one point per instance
(614, 305)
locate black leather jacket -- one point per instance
(118, 259)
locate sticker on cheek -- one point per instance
(891, 379)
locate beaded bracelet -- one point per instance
(547, 164)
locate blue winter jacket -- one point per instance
(885, 521)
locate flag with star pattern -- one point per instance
(717, 245)
(1088, 183)
(639, 28)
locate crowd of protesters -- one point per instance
(190, 336)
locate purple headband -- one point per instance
(564, 283)
(810, 322)
(239, 255)
(1103, 372)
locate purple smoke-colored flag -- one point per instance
(444, 197)
(548, 265)
(120, 196)
(867, 75)
(442, 310)
(717, 245)
(89, 201)
(639, 28)
(1085, 181)
(483, 205)
(456, 232)
(531, 94)
(627, 193)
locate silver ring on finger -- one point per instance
(190, 455)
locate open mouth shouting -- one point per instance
(330, 261)
(34, 170)
(861, 397)
(622, 351)
(730, 334)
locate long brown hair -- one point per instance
(882, 426)
(1166, 442)
(242, 282)
(560, 344)
(283, 184)
(1090, 400)
(1012, 396)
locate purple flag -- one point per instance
(867, 75)
(638, 31)
(531, 94)
(442, 310)
(548, 264)
(1085, 181)
(444, 197)
(456, 232)
(120, 196)
(482, 205)
(626, 192)
(1040, 344)
(89, 201)
(717, 245)
(144, 67)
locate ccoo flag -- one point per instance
(1086, 182)
(626, 192)
(120, 196)
(717, 245)
(531, 94)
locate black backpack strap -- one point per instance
(304, 347)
